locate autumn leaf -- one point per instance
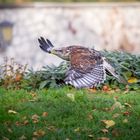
(77, 129)
(127, 105)
(22, 138)
(12, 112)
(132, 80)
(115, 132)
(90, 136)
(116, 115)
(106, 88)
(104, 131)
(108, 123)
(17, 123)
(34, 138)
(92, 90)
(90, 117)
(125, 121)
(116, 104)
(103, 138)
(126, 113)
(35, 118)
(45, 114)
(71, 96)
(5, 138)
(39, 133)
(26, 122)
(51, 128)
(10, 130)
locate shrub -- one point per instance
(15, 76)
(12, 74)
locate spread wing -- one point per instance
(86, 70)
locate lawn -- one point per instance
(69, 114)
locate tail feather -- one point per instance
(45, 45)
(112, 71)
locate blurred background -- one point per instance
(102, 24)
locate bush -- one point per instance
(126, 65)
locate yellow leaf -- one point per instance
(132, 80)
(108, 123)
(90, 135)
(12, 112)
(128, 105)
(77, 129)
(71, 96)
(125, 121)
(116, 115)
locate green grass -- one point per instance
(78, 117)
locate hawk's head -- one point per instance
(63, 53)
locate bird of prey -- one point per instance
(87, 66)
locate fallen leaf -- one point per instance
(35, 118)
(5, 138)
(115, 132)
(125, 121)
(17, 123)
(126, 113)
(34, 138)
(132, 80)
(26, 122)
(116, 104)
(106, 88)
(116, 115)
(45, 114)
(10, 130)
(103, 138)
(90, 136)
(104, 131)
(92, 90)
(51, 128)
(90, 117)
(71, 96)
(128, 105)
(108, 123)
(77, 129)
(22, 138)
(12, 112)
(39, 133)
(24, 118)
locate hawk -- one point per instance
(88, 67)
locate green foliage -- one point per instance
(126, 65)
(50, 76)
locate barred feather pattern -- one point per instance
(86, 80)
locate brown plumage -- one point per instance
(87, 66)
